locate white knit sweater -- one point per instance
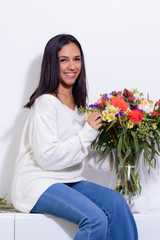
(54, 147)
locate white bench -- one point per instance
(20, 226)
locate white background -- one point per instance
(121, 43)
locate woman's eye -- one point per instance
(63, 60)
(77, 59)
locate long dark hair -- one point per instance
(50, 73)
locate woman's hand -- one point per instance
(95, 120)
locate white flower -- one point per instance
(146, 106)
(138, 96)
(149, 107)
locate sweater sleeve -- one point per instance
(49, 151)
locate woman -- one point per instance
(54, 148)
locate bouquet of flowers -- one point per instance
(131, 124)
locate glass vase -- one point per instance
(128, 182)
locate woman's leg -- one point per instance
(62, 201)
(120, 219)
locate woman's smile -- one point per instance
(70, 75)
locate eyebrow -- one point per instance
(68, 57)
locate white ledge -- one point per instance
(18, 226)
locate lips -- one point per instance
(70, 75)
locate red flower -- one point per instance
(101, 101)
(154, 113)
(132, 98)
(136, 116)
(120, 103)
(127, 93)
(158, 103)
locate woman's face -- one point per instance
(70, 63)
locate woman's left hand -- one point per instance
(95, 120)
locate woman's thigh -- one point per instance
(102, 196)
(109, 201)
(65, 202)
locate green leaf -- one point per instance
(111, 125)
(119, 148)
(136, 142)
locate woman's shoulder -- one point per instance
(45, 102)
(46, 98)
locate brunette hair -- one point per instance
(50, 72)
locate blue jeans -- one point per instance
(100, 213)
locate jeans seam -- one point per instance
(89, 232)
(101, 205)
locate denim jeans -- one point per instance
(100, 213)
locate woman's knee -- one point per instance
(118, 199)
(120, 207)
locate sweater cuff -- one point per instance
(88, 133)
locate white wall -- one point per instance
(121, 45)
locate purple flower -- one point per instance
(121, 114)
(105, 96)
(135, 106)
(139, 109)
(112, 93)
(94, 105)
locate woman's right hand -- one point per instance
(95, 120)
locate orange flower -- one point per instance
(136, 116)
(120, 103)
(142, 104)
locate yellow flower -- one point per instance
(88, 115)
(130, 124)
(110, 117)
(154, 125)
(114, 111)
(109, 114)
(104, 115)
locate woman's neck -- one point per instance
(66, 96)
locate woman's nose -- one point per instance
(71, 65)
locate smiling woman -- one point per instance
(55, 147)
(62, 54)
